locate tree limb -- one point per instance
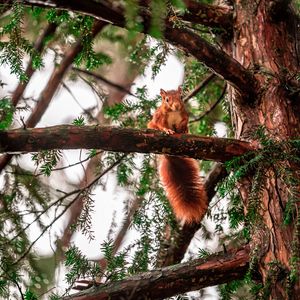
(166, 282)
(209, 15)
(205, 14)
(223, 64)
(121, 140)
(51, 87)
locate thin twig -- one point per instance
(99, 77)
(199, 87)
(87, 112)
(77, 191)
(212, 107)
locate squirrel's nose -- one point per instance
(177, 106)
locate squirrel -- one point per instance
(180, 176)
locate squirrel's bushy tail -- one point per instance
(180, 177)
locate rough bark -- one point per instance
(269, 46)
(169, 281)
(121, 140)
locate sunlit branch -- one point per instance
(125, 140)
(169, 281)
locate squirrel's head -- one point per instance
(172, 99)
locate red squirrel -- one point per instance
(180, 176)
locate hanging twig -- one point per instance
(212, 107)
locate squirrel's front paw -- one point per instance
(169, 131)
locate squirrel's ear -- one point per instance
(162, 92)
(179, 89)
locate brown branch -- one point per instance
(57, 76)
(199, 87)
(39, 47)
(209, 15)
(217, 59)
(166, 282)
(223, 64)
(121, 140)
(51, 87)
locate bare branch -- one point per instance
(121, 140)
(108, 82)
(169, 281)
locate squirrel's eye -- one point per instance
(167, 99)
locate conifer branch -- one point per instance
(166, 282)
(217, 59)
(121, 140)
(51, 87)
(39, 47)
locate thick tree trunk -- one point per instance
(266, 43)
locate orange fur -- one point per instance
(180, 176)
(184, 188)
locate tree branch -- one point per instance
(121, 140)
(223, 64)
(39, 47)
(199, 87)
(51, 87)
(166, 282)
(205, 14)
(209, 15)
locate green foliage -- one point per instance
(134, 114)
(29, 295)
(228, 290)
(47, 160)
(13, 51)
(116, 263)
(78, 266)
(79, 121)
(6, 113)
(148, 53)
(84, 222)
(203, 253)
